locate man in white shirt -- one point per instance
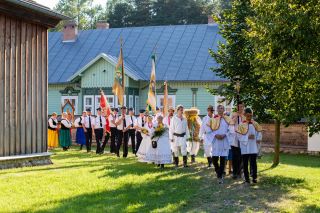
(99, 125)
(132, 129)
(238, 117)
(223, 133)
(123, 124)
(140, 123)
(178, 132)
(206, 135)
(88, 127)
(113, 129)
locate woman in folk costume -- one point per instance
(249, 135)
(194, 124)
(145, 150)
(223, 133)
(161, 144)
(53, 137)
(64, 133)
(80, 136)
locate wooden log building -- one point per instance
(23, 80)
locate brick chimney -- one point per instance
(70, 31)
(102, 25)
(211, 22)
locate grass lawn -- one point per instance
(81, 182)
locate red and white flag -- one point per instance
(105, 108)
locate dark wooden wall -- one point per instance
(23, 87)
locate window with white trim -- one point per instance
(136, 104)
(88, 102)
(131, 101)
(171, 100)
(110, 99)
(73, 100)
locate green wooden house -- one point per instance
(83, 62)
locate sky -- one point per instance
(52, 3)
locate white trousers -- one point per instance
(207, 146)
(179, 145)
(193, 147)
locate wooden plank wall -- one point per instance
(23, 87)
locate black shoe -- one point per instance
(185, 158)
(81, 147)
(161, 166)
(234, 177)
(193, 158)
(254, 181)
(209, 162)
(176, 162)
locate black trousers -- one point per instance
(106, 139)
(132, 135)
(139, 139)
(99, 135)
(253, 166)
(123, 138)
(236, 160)
(114, 136)
(219, 167)
(88, 135)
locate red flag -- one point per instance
(105, 108)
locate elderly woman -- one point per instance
(64, 133)
(53, 137)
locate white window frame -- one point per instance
(131, 101)
(111, 104)
(85, 106)
(63, 98)
(124, 100)
(96, 103)
(169, 96)
(136, 104)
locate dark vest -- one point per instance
(80, 122)
(53, 122)
(63, 126)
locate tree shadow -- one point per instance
(233, 196)
(160, 194)
(302, 160)
(309, 208)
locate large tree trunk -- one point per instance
(276, 157)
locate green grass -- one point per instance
(78, 182)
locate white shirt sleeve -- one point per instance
(76, 122)
(66, 123)
(171, 128)
(51, 124)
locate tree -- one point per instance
(82, 11)
(119, 15)
(274, 47)
(286, 38)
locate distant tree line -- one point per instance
(132, 13)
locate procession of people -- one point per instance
(162, 140)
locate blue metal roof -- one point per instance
(181, 51)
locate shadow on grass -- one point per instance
(309, 208)
(234, 196)
(159, 192)
(302, 160)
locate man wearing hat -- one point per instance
(178, 132)
(113, 129)
(88, 127)
(99, 125)
(132, 130)
(140, 123)
(206, 135)
(123, 125)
